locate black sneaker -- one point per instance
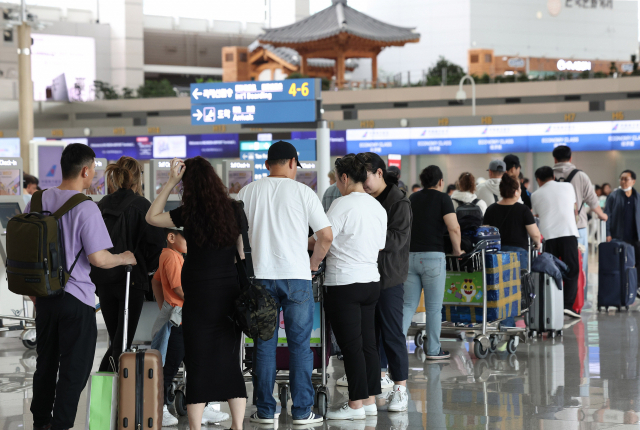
(443, 355)
(311, 419)
(255, 418)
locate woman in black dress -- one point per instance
(212, 222)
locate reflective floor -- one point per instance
(588, 379)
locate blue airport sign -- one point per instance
(255, 91)
(254, 113)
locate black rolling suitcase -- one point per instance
(617, 275)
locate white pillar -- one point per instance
(127, 41)
(413, 171)
(25, 95)
(323, 151)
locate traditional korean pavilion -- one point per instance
(339, 32)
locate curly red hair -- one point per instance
(208, 211)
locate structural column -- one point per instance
(25, 94)
(303, 64)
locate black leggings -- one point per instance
(173, 360)
(112, 307)
(351, 310)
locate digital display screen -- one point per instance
(10, 147)
(10, 183)
(97, 185)
(8, 211)
(258, 151)
(170, 146)
(171, 205)
(49, 172)
(309, 178)
(238, 179)
(63, 68)
(162, 177)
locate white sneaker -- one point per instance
(311, 419)
(386, 382)
(346, 413)
(371, 410)
(399, 401)
(168, 420)
(255, 418)
(211, 416)
(571, 313)
(342, 382)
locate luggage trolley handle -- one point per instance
(129, 269)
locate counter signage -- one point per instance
(338, 139)
(581, 136)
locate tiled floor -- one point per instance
(588, 379)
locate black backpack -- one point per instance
(116, 221)
(469, 215)
(256, 311)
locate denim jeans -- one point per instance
(295, 296)
(524, 255)
(427, 271)
(584, 240)
(161, 340)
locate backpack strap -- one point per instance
(70, 204)
(572, 175)
(495, 197)
(36, 201)
(475, 202)
(458, 201)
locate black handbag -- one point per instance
(256, 311)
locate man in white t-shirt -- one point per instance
(555, 204)
(280, 212)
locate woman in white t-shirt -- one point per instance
(352, 281)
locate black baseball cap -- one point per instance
(512, 161)
(282, 150)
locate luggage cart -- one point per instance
(487, 336)
(319, 378)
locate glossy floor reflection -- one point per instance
(589, 379)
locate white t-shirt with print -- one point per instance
(554, 203)
(280, 212)
(359, 225)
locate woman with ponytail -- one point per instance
(434, 215)
(393, 263)
(124, 210)
(352, 281)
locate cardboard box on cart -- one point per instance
(463, 295)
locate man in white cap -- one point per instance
(489, 190)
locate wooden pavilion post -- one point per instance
(340, 68)
(374, 70)
(303, 65)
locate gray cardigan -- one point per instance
(393, 260)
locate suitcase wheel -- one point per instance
(511, 346)
(626, 308)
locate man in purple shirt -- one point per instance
(66, 330)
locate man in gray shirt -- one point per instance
(565, 171)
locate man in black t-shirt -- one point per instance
(513, 169)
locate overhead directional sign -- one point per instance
(255, 91)
(253, 113)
